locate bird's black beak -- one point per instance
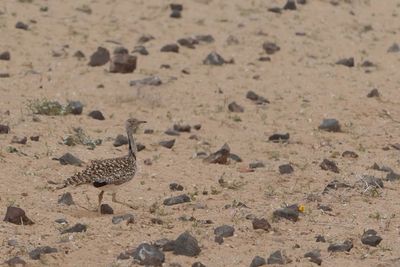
(142, 121)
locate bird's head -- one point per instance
(132, 124)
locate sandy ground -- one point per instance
(302, 83)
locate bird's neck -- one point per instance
(132, 144)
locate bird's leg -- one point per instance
(100, 199)
(114, 199)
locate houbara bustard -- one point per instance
(108, 174)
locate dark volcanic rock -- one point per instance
(186, 245)
(278, 257)
(256, 98)
(372, 181)
(290, 5)
(34, 138)
(224, 231)
(373, 93)
(394, 48)
(176, 14)
(176, 200)
(235, 107)
(100, 57)
(175, 187)
(15, 261)
(140, 49)
(37, 252)
(152, 81)
(329, 165)
(165, 244)
(148, 255)
(188, 42)
(256, 164)
(214, 59)
(4, 129)
(69, 159)
(320, 238)
(66, 199)
(205, 38)
(74, 107)
(278, 137)
(182, 127)
(258, 261)
(277, 10)
(348, 62)
(261, 224)
(172, 132)
(5, 55)
(235, 157)
(218, 239)
(198, 264)
(324, 207)
(314, 256)
(285, 169)
(170, 48)
(349, 154)
(289, 213)
(19, 140)
(219, 157)
(167, 144)
(330, 125)
(97, 115)
(392, 176)
(79, 55)
(129, 218)
(140, 147)
(341, 247)
(371, 238)
(145, 38)
(22, 26)
(120, 140)
(17, 216)
(270, 48)
(122, 63)
(178, 7)
(77, 228)
(106, 209)
(335, 184)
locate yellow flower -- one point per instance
(301, 208)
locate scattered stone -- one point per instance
(395, 146)
(290, 5)
(320, 238)
(188, 42)
(198, 264)
(261, 224)
(22, 26)
(5, 55)
(341, 247)
(367, 64)
(392, 176)
(140, 147)
(85, 9)
(69, 159)
(19, 140)
(324, 207)
(122, 63)
(176, 200)
(145, 38)
(176, 14)
(256, 98)
(234, 107)
(205, 38)
(120, 218)
(100, 57)
(285, 169)
(335, 184)
(165, 244)
(167, 144)
(152, 81)
(371, 238)
(172, 132)
(394, 48)
(149, 255)
(37, 252)
(77, 228)
(79, 55)
(12, 242)
(264, 59)
(302, 2)
(278, 137)
(197, 127)
(148, 131)
(186, 245)
(178, 7)
(140, 49)
(329, 165)
(97, 115)
(289, 213)
(371, 181)
(258, 261)
(270, 48)
(74, 107)
(15, 261)
(235, 157)
(182, 127)
(124, 256)
(219, 157)
(4, 129)
(349, 154)
(218, 239)
(374, 93)
(214, 59)
(66, 199)
(314, 256)
(278, 257)
(120, 140)
(256, 164)
(330, 125)
(61, 221)
(4, 75)
(224, 231)
(277, 10)
(175, 187)
(170, 48)
(17, 216)
(348, 62)
(106, 209)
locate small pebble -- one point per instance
(100, 57)
(170, 48)
(256, 164)
(4, 129)
(214, 59)
(5, 55)
(329, 165)
(348, 62)
(97, 115)
(279, 137)
(140, 49)
(21, 25)
(258, 261)
(186, 245)
(74, 107)
(17, 216)
(278, 257)
(129, 218)
(394, 48)
(234, 107)
(151, 81)
(371, 238)
(341, 247)
(224, 231)
(19, 140)
(349, 154)
(120, 140)
(285, 169)
(106, 209)
(148, 255)
(167, 144)
(261, 224)
(330, 125)
(314, 256)
(175, 187)
(66, 199)
(373, 93)
(37, 252)
(270, 48)
(77, 228)
(176, 200)
(290, 5)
